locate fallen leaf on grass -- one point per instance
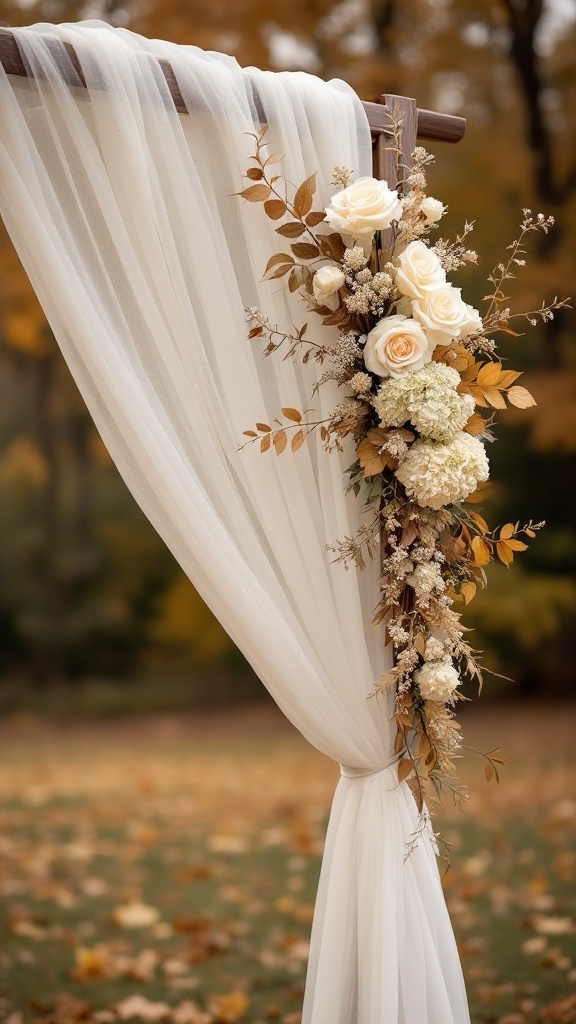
(145, 1009)
(229, 1009)
(135, 915)
(190, 1013)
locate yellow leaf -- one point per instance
(480, 521)
(505, 553)
(280, 441)
(488, 771)
(264, 427)
(520, 397)
(475, 425)
(265, 443)
(468, 590)
(489, 373)
(507, 531)
(298, 440)
(517, 545)
(229, 1009)
(494, 398)
(482, 551)
(405, 766)
(292, 414)
(507, 377)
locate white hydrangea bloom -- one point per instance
(429, 399)
(436, 474)
(426, 581)
(437, 680)
(434, 649)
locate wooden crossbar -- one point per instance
(430, 124)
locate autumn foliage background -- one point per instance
(92, 607)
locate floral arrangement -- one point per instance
(421, 382)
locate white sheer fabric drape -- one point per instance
(124, 216)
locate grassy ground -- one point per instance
(165, 869)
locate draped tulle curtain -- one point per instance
(124, 215)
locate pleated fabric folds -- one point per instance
(125, 217)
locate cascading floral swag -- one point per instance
(417, 364)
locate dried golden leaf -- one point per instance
(488, 771)
(324, 433)
(507, 378)
(505, 553)
(405, 766)
(250, 433)
(468, 591)
(298, 440)
(370, 459)
(256, 193)
(507, 531)
(295, 279)
(255, 332)
(279, 271)
(469, 374)
(517, 545)
(477, 394)
(314, 218)
(478, 495)
(305, 250)
(265, 443)
(254, 173)
(480, 521)
(292, 414)
(280, 441)
(275, 209)
(303, 199)
(274, 158)
(291, 230)
(332, 246)
(489, 373)
(279, 257)
(420, 643)
(529, 533)
(520, 397)
(482, 551)
(475, 425)
(494, 398)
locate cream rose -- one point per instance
(395, 346)
(432, 209)
(443, 314)
(419, 271)
(326, 282)
(366, 206)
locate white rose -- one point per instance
(443, 314)
(395, 346)
(366, 206)
(326, 282)
(419, 271)
(432, 209)
(474, 323)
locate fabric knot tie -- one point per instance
(348, 772)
